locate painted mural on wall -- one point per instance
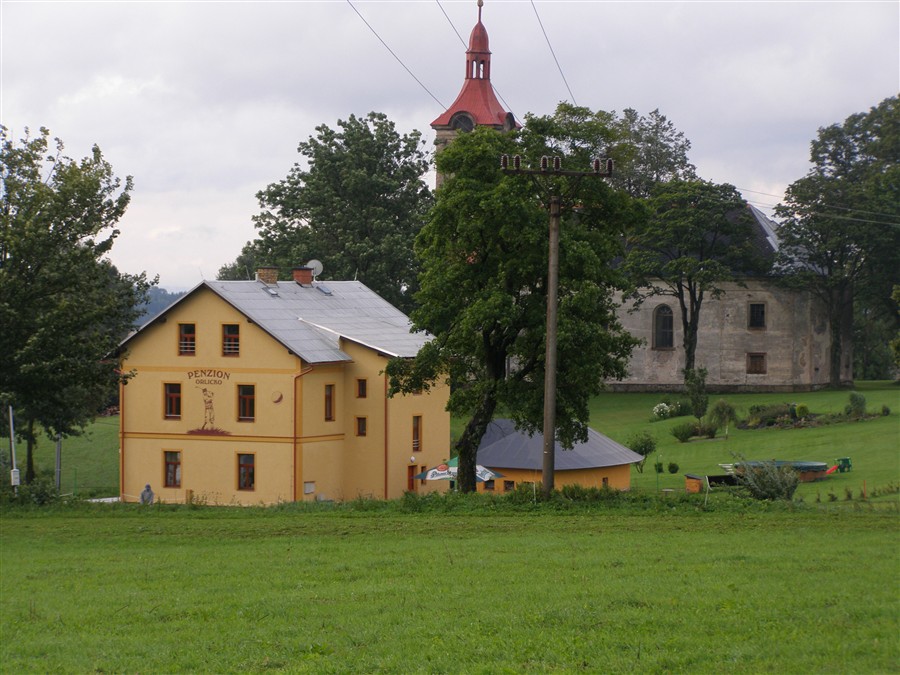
(207, 381)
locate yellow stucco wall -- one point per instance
(618, 477)
(298, 454)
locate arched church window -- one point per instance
(663, 328)
(462, 121)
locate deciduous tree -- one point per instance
(697, 236)
(356, 203)
(650, 151)
(63, 306)
(483, 285)
(840, 236)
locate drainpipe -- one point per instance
(121, 441)
(295, 400)
(385, 436)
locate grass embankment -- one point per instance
(90, 462)
(871, 444)
(368, 587)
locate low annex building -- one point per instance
(598, 462)
(266, 391)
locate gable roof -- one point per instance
(503, 447)
(311, 320)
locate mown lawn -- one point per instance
(372, 588)
(873, 444)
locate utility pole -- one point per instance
(552, 167)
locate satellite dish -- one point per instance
(316, 266)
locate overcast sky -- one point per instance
(204, 103)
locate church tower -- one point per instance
(477, 104)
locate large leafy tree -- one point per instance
(697, 236)
(483, 285)
(650, 150)
(63, 306)
(840, 236)
(356, 204)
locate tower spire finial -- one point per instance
(480, 5)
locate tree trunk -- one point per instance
(840, 317)
(467, 445)
(690, 324)
(847, 323)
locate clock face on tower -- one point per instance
(462, 121)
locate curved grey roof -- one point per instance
(503, 447)
(311, 320)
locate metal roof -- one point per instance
(768, 226)
(310, 320)
(477, 95)
(503, 447)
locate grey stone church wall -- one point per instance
(792, 349)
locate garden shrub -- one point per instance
(644, 444)
(695, 383)
(802, 411)
(660, 411)
(707, 429)
(667, 408)
(768, 414)
(658, 467)
(673, 467)
(42, 491)
(857, 405)
(680, 408)
(765, 480)
(684, 431)
(885, 411)
(721, 415)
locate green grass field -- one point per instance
(122, 588)
(450, 584)
(873, 445)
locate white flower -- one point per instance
(661, 411)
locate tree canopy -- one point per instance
(356, 204)
(650, 151)
(483, 288)
(840, 236)
(63, 306)
(697, 236)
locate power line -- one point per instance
(450, 22)
(453, 26)
(399, 60)
(829, 206)
(559, 67)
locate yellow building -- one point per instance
(598, 462)
(265, 391)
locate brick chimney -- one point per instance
(267, 275)
(303, 275)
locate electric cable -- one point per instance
(496, 91)
(399, 60)
(559, 67)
